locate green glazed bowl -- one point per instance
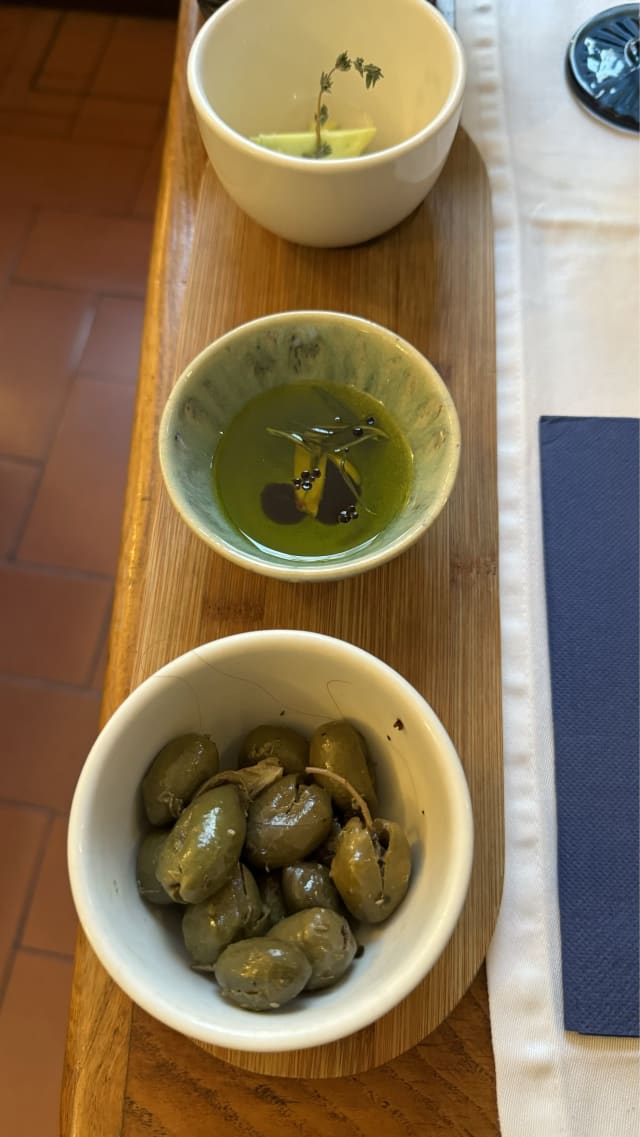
(315, 347)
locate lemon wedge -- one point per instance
(343, 143)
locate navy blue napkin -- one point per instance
(591, 502)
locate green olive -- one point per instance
(175, 774)
(262, 974)
(325, 938)
(149, 886)
(289, 748)
(286, 822)
(250, 781)
(325, 852)
(341, 749)
(273, 908)
(307, 884)
(201, 851)
(371, 869)
(229, 915)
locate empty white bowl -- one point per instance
(255, 68)
(225, 688)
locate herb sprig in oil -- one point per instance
(368, 71)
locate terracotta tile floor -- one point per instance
(82, 107)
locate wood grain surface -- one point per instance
(445, 1085)
(432, 614)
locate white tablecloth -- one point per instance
(566, 217)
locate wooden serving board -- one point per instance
(432, 613)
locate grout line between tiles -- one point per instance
(29, 894)
(92, 300)
(52, 286)
(12, 555)
(159, 141)
(5, 975)
(78, 208)
(59, 571)
(19, 249)
(75, 290)
(33, 78)
(105, 47)
(38, 74)
(125, 100)
(101, 640)
(35, 282)
(86, 375)
(47, 953)
(38, 952)
(19, 459)
(12, 558)
(37, 682)
(17, 803)
(48, 116)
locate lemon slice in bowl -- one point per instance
(343, 143)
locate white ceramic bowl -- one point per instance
(314, 347)
(255, 68)
(226, 688)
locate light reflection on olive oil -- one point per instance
(309, 470)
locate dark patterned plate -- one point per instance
(603, 66)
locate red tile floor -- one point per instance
(82, 108)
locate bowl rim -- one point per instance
(353, 563)
(328, 165)
(407, 978)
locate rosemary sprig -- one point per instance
(369, 72)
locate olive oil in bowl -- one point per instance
(308, 470)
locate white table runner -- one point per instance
(567, 244)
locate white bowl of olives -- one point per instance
(256, 829)
(327, 126)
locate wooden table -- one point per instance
(125, 1074)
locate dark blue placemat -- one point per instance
(590, 502)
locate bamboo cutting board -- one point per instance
(432, 613)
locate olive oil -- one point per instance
(310, 470)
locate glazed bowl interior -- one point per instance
(307, 347)
(258, 67)
(226, 688)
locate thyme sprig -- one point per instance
(327, 441)
(369, 72)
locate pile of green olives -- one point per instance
(268, 863)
